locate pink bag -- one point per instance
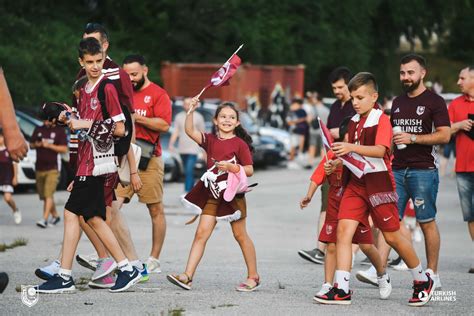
(236, 183)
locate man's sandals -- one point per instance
(181, 280)
(246, 287)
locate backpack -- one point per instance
(122, 145)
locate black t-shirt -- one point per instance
(338, 113)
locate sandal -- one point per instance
(177, 280)
(245, 287)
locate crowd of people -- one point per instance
(113, 108)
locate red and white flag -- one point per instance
(223, 75)
(356, 163)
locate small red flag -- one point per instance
(222, 76)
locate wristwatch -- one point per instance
(412, 139)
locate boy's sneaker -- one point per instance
(49, 271)
(144, 273)
(395, 262)
(365, 262)
(153, 265)
(104, 267)
(402, 266)
(367, 277)
(422, 292)
(324, 289)
(385, 286)
(54, 221)
(105, 282)
(57, 285)
(126, 279)
(88, 261)
(315, 255)
(335, 296)
(17, 217)
(42, 223)
(436, 280)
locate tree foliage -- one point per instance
(39, 39)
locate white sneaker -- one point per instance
(153, 265)
(436, 280)
(402, 266)
(48, 271)
(42, 223)
(17, 217)
(385, 286)
(368, 276)
(417, 235)
(324, 289)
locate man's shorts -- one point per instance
(46, 183)
(421, 185)
(87, 197)
(466, 194)
(355, 205)
(152, 179)
(315, 139)
(328, 234)
(239, 203)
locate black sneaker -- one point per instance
(365, 262)
(395, 262)
(422, 292)
(335, 296)
(54, 220)
(3, 281)
(125, 279)
(315, 255)
(57, 285)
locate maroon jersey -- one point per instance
(89, 108)
(338, 113)
(47, 159)
(6, 168)
(234, 150)
(419, 115)
(119, 78)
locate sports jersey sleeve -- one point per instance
(162, 108)
(440, 113)
(319, 175)
(112, 103)
(384, 132)
(206, 139)
(245, 156)
(61, 138)
(127, 89)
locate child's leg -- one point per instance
(330, 263)
(345, 232)
(94, 239)
(403, 247)
(54, 213)
(47, 206)
(374, 256)
(107, 237)
(8, 197)
(72, 234)
(203, 232)
(248, 249)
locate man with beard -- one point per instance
(153, 116)
(424, 121)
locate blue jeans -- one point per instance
(420, 185)
(189, 161)
(466, 194)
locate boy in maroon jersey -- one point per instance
(87, 195)
(8, 178)
(370, 136)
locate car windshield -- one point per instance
(26, 124)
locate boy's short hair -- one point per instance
(413, 57)
(97, 28)
(297, 100)
(89, 46)
(363, 79)
(340, 73)
(134, 58)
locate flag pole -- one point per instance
(204, 89)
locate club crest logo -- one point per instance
(329, 229)
(147, 99)
(94, 103)
(420, 109)
(29, 295)
(53, 134)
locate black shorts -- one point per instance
(87, 197)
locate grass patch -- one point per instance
(16, 243)
(179, 311)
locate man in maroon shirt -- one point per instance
(49, 140)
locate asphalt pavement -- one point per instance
(278, 228)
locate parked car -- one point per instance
(26, 167)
